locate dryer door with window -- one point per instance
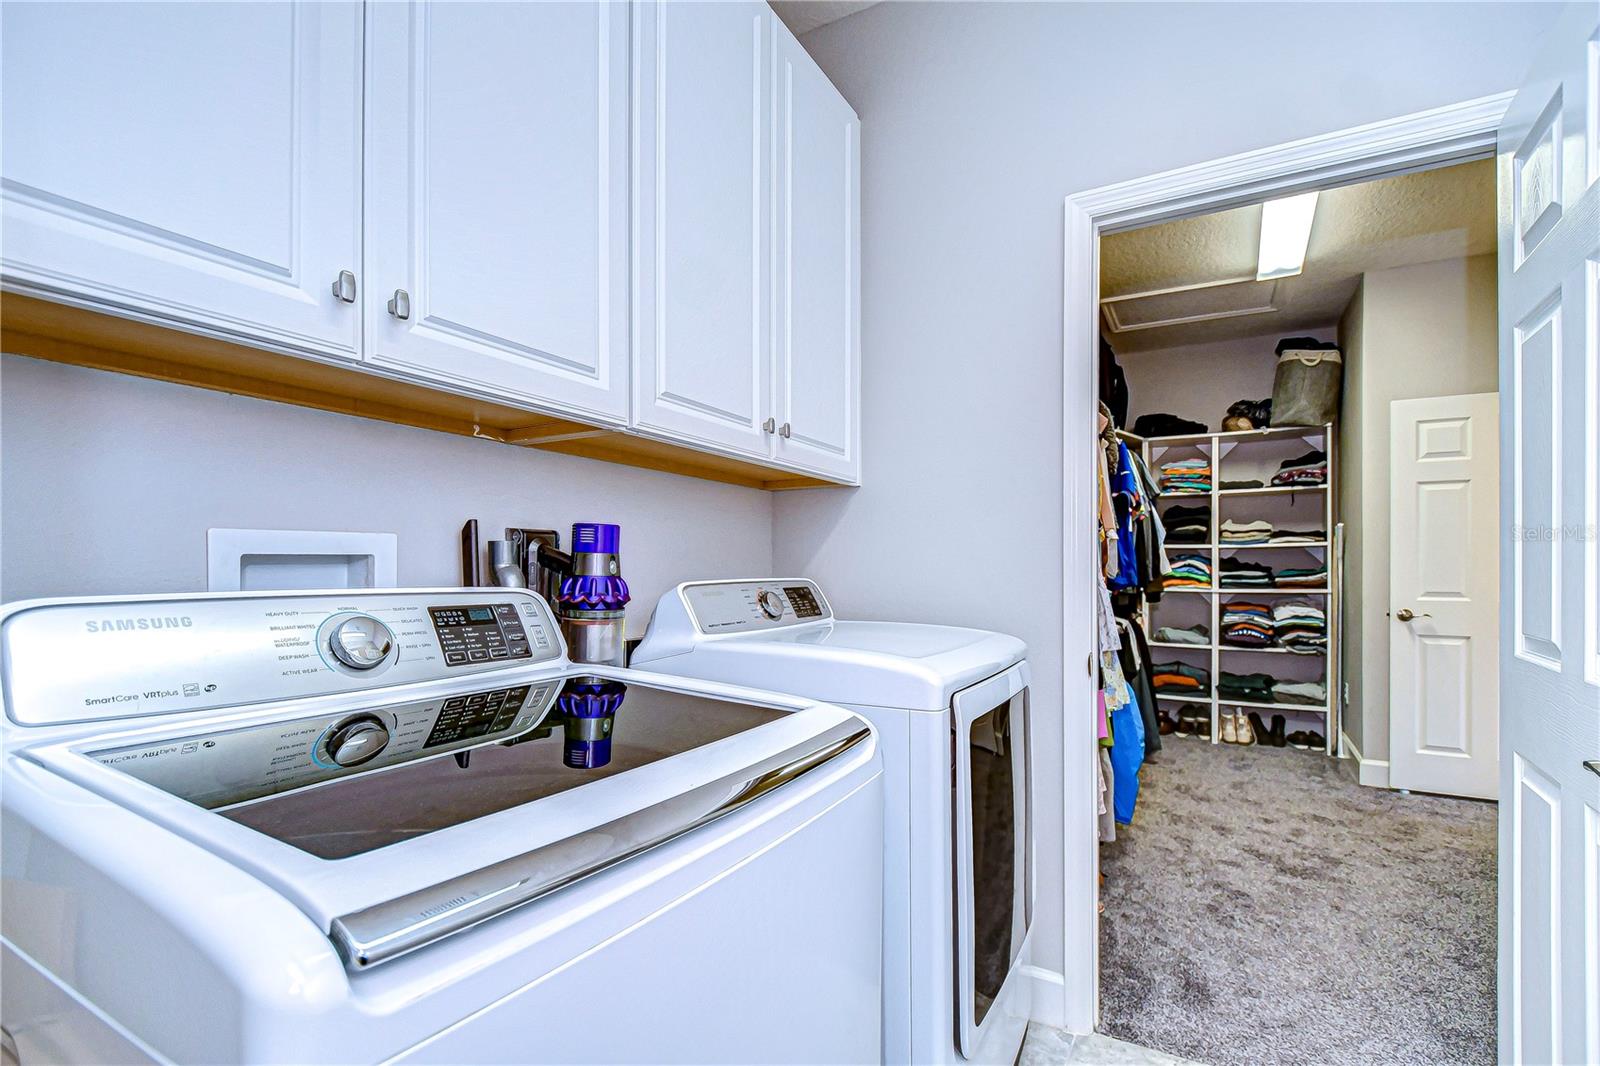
(994, 896)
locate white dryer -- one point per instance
(951, 709)
(399, 825)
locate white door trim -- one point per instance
(1421, 141)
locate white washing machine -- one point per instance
(399, 825)
(951, 709)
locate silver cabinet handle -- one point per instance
(770, 425)
(1405, 614)
(400, 304)
(784, 431)
(344, 286)
(1593, 766)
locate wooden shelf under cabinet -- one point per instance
(65, 334)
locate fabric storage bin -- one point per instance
(1305, 388)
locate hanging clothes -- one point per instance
(1136, 668)
(1127, 755)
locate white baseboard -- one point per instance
(1049, 996)
(1374, 773)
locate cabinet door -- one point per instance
(194, 164)
(819, 240)
(703, 194)
(497, 200)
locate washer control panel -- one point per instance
(484, 632)
(93, 660)
(225, 767)
(751, 606)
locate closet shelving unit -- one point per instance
(1218, 446)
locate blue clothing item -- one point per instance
(1128, 499)
(1127, 755)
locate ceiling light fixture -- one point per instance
(1285, 232)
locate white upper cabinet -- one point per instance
(197, 164)
(703, 223)
(818, 273)
(497, 200)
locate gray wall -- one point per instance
(1427, 330)
(976, 121)
(1200, 381)
(108, 484)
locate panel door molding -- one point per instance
(1549, 311)
(703, 223)
(200, 166)
(1444, 471)
(497, 200)
(819, 266)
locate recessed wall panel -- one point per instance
(1444, 514)
(1535, 906)
(1444, 719)
(1536, 498)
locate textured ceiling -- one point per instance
(1414, 218)
(803, 16)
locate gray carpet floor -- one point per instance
(1264, 907)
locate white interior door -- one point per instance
(1550, 582)
(497, 200)
(1444, 617)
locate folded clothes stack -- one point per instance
(1188, 572)
(1180, 679)
(1242, 483)
(1248, 625)
(1161, 424)
(1244, 574)
(1195, 634)
(1308, 469)
(1252, 688)
(1233, 532)
(1300, 577)
(1303, 693)
(1182, 476)
(1187, 523)
(1298, 536)
(1300, 627)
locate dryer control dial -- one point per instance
(361, 642)
(358, 739)
(771, 604)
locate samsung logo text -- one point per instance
(123, 625)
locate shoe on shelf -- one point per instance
(1276, 736)
(1230, 729)
(1191, 719)
(1300, 739)
(1258, 730)
(1165, 724)
(1315, 741)
(1245, 729)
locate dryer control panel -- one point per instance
(71, 661)
(751, 606)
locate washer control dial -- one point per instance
(358, 739)
(361, 642)
(771, 604)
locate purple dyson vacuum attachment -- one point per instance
(595, 583)
(588, 708)
(592, 594)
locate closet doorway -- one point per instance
(1297, 403)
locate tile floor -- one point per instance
(1046, 1046)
